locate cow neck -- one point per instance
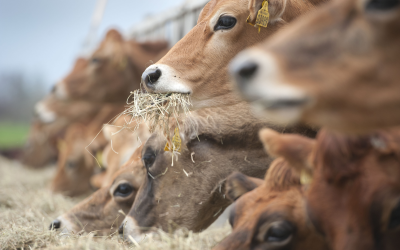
(230, 124)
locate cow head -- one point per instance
(101, 212)
(190, 193)
(271, 214)
(354, 195)
(111, 72)
(75, 165)
(123, 140)
(336, 67)
(39, 149)
(198, 63)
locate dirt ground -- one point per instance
(27, 208)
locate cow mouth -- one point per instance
(280, 104)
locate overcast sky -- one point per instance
(43, 37)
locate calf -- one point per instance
(101, 212)
(124, 139)
(190, 192)
(40, 149)
(353, 198)
(52, 119)
(336, 67)
(197, 64)
(271, 214)
(112, 71)
(76, 163)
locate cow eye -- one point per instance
(225, 23)
(382, 4)
(95, 60)
(123, 190)
(71, 164)
(394, 220)
(279, 232)
(148, 160)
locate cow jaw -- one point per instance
(276, 99)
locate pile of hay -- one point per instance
(27, 208)
(159, 111)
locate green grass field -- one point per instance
(13, 134)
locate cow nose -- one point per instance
(150, 77)
(246, 70)
(121, 229)
(56, 224)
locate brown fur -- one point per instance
(279, 203)
(200, 59)
(194, 200)
(345, 58)
(41, 146)
(113, 70)
(125, 139)
(76, 164)
(100, 212)
(40, 149)
(354, 193)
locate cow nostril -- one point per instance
(247, 70)
(152, 77)
(121, 229)
(56, 224)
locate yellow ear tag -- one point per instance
(99, 158)
(262, 17)
(176, 142)
(305, 178)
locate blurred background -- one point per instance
(40, 40)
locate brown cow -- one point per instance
(112, 72)
(123, 139)
(76, 163)
(100, 212)
(337, 67)
(271, 214)
(40, 149)
(353, 198)
(197, 64)
(190, 193)
(53, 117)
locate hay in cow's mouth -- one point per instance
(161, 112)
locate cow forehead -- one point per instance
(219, 6)
(267, 203)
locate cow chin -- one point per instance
(131, 230)
(261, 84)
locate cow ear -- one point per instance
(254, 7)
(294, 148)
(238, 184)
(113, 36)
(275, 9)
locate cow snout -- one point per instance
(55, 224)
(246, 70)
(150, 77)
